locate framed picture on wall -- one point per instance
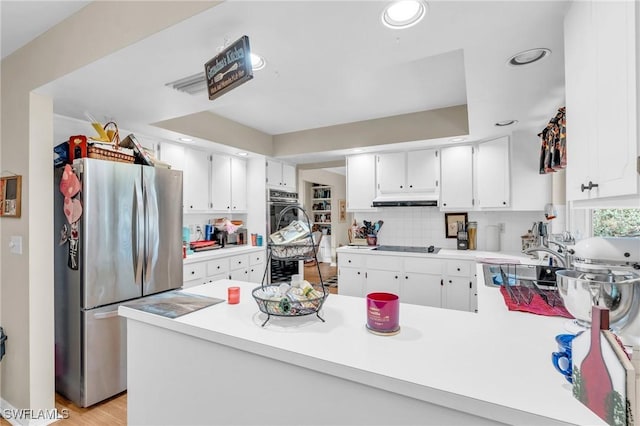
(10, 196)
(451, 223)
(343, 210)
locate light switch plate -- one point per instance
(15, 244)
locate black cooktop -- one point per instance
(409, 249)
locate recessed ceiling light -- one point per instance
(506, 123)
(528, 56)
(185, 139)
(243, 154)
(403, 13)
(458, 139)
(257, 62)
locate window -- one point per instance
(615, 222)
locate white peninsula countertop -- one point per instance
(493, 366)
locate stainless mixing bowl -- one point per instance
(618, 291)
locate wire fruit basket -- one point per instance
(293, 242)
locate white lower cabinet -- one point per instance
(441, 283)
(239, 267)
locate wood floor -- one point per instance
(327, 271)
(113, 411)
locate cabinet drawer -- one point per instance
(238, 262)
(385, 263)
(193, 271)
(423, 266)
(217, 266)
(352, 260)
(256, 258)
(459, 268)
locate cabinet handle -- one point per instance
(358, 272)
(406, 277)
(441, 282)
(396, 277)
(400, 186)
(590, 186)
(444, 204)
(348, 261)
(218, 266)
(193, 272)
(469, 284)
(504, 203)
(458, 269)
(410, 186)
(449, 281)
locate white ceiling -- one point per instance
(331, 62)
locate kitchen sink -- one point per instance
(520, 275)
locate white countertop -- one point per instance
(495, 364)
(221, 252)
(443, 253)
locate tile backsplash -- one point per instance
(419, 226)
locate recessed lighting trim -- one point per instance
(404, 13)
(506, 123)
(528, 56)
(257, 62)
(243, 154)
(185, 139)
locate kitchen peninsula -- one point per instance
(219, 366)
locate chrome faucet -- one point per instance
(562, 259)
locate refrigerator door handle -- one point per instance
(135, 235)
(151, 229)
(105, 315)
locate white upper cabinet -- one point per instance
(601, 75)
(196, 171)
(238, 184)
(172, 154)
(456, 171)
(415, 171)
(281, 175)
(228, 183)
(492, 162)
(361, 182)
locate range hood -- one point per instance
(406, 200)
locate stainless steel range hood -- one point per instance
(406, 200)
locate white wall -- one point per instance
(420, 226)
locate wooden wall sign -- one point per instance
(229, 69)
(10, 196)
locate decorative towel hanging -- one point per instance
(553, 144)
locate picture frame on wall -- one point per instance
(11, 196)
(451, 223)
(342, 204)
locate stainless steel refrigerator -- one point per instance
(129, 245)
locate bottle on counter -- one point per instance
(472, 229)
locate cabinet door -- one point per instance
(391, 173)
(274, 173)
(423, 171)
(172, 154)
(616, 138)
(239, 274)
(238, 184)
(361, 181)
(196, 172)
(288, 177)
(457, 293)
(256, 272)
(351, 281)
(384, 281)
(493, 173)
(220, 182)
(456, 168)
(421, 289)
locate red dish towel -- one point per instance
(537, 306)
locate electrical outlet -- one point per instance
(15, 244)
(501, 227)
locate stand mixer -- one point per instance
(604, 272)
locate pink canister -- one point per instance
(383, 312)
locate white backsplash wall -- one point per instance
(420, 226)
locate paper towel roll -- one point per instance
(493, 238)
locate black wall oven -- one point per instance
(277, 201)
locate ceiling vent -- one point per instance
(193, 84)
